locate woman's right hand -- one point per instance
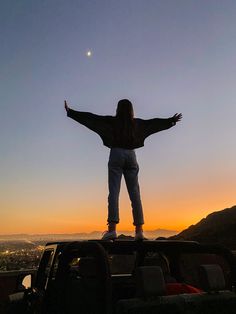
(66, 106)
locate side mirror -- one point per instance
(27, 281)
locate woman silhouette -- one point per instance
(122, 133)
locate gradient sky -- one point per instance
(165, 56)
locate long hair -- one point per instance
(124, 126)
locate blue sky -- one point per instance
(166, 57)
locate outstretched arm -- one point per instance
(156, 125)
(92, 121)
(88, 119)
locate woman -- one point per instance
(122, 133)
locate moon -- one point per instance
(89, 53)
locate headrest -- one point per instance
(87, 267)
(212, 277)
(159, 259)
(150, 281)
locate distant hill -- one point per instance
(218, 227)
(151, 234)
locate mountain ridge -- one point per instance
(218, 227)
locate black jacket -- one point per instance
(104, 127)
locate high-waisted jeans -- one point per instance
(123, 161)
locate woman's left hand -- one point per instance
(177, 117)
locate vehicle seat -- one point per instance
(216, 299)
(159, 259)
(212, 278)
(91, 284)
(83, 288)
(151, 295)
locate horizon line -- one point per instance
(85, 232)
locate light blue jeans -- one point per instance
(123, 161)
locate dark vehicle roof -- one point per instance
(170, 247)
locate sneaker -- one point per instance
(109, 235)
(139, 236)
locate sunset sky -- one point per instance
(165, 56)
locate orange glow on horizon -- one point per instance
(165, 219)
(175, 209)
